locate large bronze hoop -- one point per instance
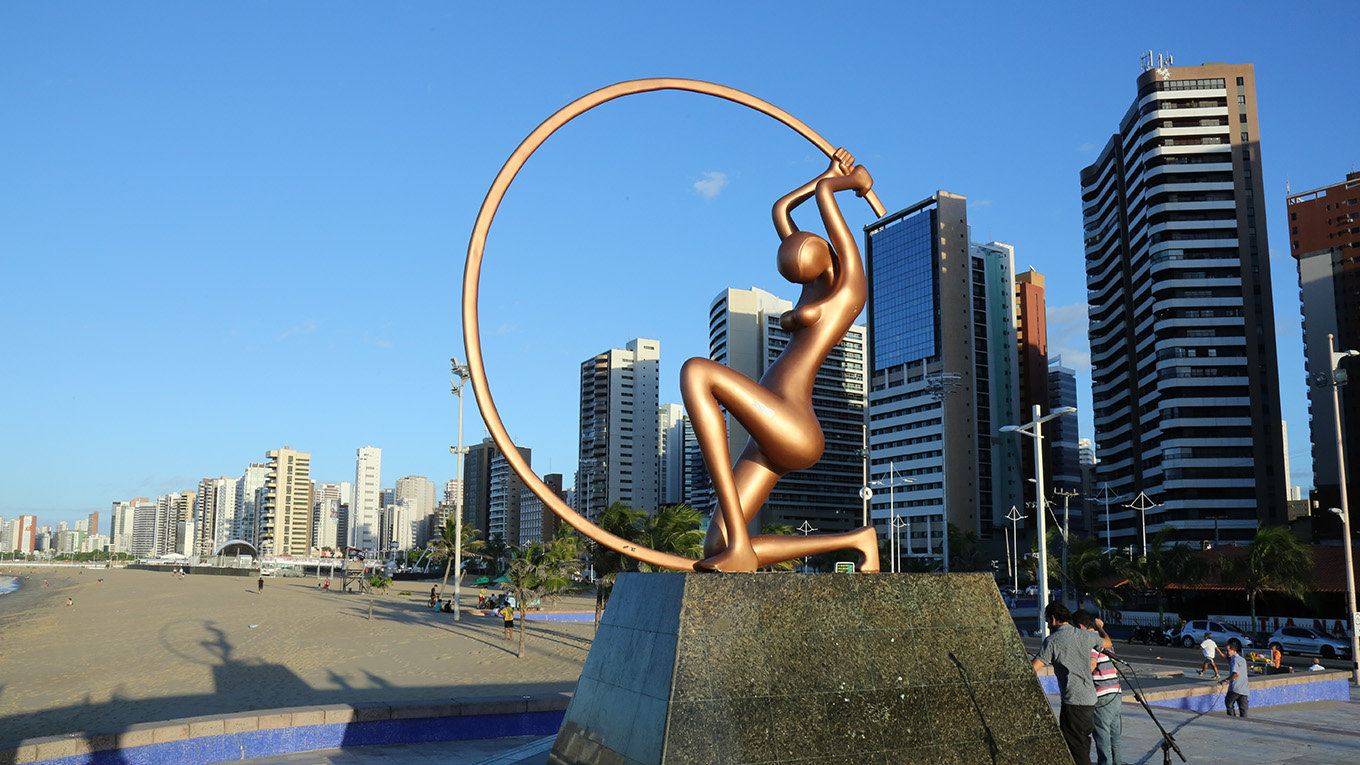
(472, 341)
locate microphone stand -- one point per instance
(1168, 740)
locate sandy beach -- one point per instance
(143, 646)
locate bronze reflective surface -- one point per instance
(777, 411)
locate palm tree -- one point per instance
(444, 547)
(1087, 566)
(623, 521)
(675, 530)
(1276, 561)
(1162, 565)
(780, 529)
(497, 551)
(534, 571)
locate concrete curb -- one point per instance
(218, 738)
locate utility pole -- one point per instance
(1067, 540)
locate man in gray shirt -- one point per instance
(1068, 649)
(1236, 680)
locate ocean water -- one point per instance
(8, 584)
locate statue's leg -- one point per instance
(776, 548)
(754, 480)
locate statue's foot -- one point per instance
(866, 541)
(730, 560)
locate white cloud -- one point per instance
(711, 185)
(505, 329)
(981, 203)
(305, 328)
(1069, 335)
(1086, 147)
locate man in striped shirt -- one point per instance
(1109, 696)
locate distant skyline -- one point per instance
(231, 228)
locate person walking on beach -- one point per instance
(1069, 649)
(1210, 649)
(1236, 680)
(260, 586)
(508, 614)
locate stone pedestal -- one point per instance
(834, 668)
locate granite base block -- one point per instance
(764, 668)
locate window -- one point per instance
(1241, 99)
(1240, 82)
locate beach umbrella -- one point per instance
(483, 580)
(502, 579)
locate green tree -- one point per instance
(965, 554)
(675, 530)
(444, 546)
(1089, 570)
(783, 530)
(1163, 564)
(535, 571)
(497, 553)
(1276, 561)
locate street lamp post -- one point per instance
(1105, 498)
(1067, 539)
(1142, 503)
(1033, 430)
(806, 528)
(1344, 510)
(1015, 516)
(895, 544)
(461, 374)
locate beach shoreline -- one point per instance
(144, 646)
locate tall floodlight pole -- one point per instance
(1015, 516)
(1067, 539)
(1033, 429)
(1344, 510)
(1142, 503)
(461, 374)
(894, 542)
(941, 386)
(1105, 498)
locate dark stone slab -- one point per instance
(762, 668)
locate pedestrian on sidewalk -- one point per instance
(1236, 680)
(1109, 696)
(1210, 649)
(1069, 649)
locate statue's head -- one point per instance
(803, 257)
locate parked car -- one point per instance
(1306, 640)
(1192, 634)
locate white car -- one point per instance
(1192, 634)
(1310, 641)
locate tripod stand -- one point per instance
(1168, 740)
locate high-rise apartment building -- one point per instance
(143, 543)
(174, 515)
(363, 509)
(1324, 236)
(1185, 385)
(744, 335)
(28, 534)
(420, 491)
(619, 427)
(120, 527)
(944, 375)
(248, 495)
(216, 517)
(326, 516)
(536, 522)
(286, 505)
(1062, 460)
(504, 490)
(671, 460)
(477, 484)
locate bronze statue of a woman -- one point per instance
(777, 411)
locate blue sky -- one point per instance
(230, 227)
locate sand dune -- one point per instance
(144, 646)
